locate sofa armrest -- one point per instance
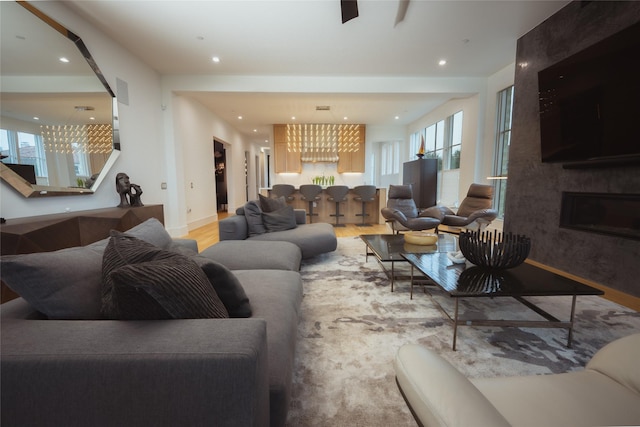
(187, 243)
(438, 394)
(301, 216)
(233, 227)
(142, 373)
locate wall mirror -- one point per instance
(58, 116)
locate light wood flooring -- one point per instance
(208, 235)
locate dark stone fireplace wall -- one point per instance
(534, 190)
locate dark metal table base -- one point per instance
(550, 322)
(391, 274)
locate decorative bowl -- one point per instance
(494, 250)
(421, 238)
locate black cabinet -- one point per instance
(422, 174)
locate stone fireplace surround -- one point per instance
(534, 189)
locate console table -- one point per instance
(47, 233)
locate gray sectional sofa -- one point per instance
(246, 224)
(73, 370)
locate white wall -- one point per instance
(193, 129)
(140, 128)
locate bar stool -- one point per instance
(284, 190)
(364, 194)
(311, 193)
(337, 193)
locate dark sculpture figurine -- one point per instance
(129, 193)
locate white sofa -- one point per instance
(605, 393)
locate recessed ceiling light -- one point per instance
(397, 117)
(255, 130)
(63, 59)
(442, 62)
(345, 118)
(92, 118)
(36, 118)
(215, 59)
(239, 117)
(293, 117)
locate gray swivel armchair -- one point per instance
(475, 211)
(403, 215)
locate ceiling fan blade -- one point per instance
(403, 5)
(349, 10)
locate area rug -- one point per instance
(352, 326)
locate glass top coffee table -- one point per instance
(388, 249)
(525, 280)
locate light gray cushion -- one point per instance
(279, 220)
(253, 214)
(312, 239)
(280, 296)
(142, 282)
(255, 255)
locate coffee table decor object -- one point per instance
(421, 238)
(494, 250)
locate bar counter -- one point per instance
(349, 208)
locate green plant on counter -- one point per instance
(323, 180)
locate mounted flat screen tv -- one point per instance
(590, 104)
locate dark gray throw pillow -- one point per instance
(142, 281)
(227, 286)
(280, 220)
(272, 204)
(253, 214)
(173, 288)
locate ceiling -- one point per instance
(305, 38)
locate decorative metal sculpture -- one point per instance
(129, 193)
(496, 250)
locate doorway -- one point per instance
(220, 158)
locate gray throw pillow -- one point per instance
(280, 220)
(272, 204)
(141, 281)
(253, 214)
(64, 284)
(227, 286)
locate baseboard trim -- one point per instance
(202, 222)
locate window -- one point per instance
(443, 141)
(24, 148)
(390, 161)
(454, 141)
(503, 141)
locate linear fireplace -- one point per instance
(605, 213)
